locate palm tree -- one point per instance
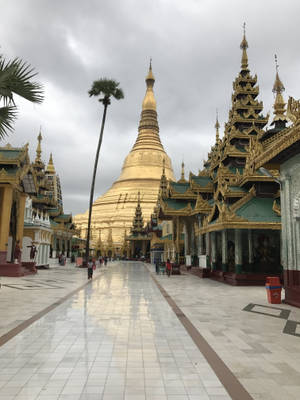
(15, 78)
(106, 88)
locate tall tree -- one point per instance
(105, 88)
(15, 79)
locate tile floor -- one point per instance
(256, 346)
(115, 339)
(23, 297)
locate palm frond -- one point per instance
(106, 88)
(8, 115)
(16, 78)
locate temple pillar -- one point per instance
(208, 252)
(5, 211)
(144, 248)
(250, 247)
(238, 251)
(20, 222)
(213, 251)
(224, 251)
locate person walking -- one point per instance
(90, 268)
(105, 260)
(157, 267)
(168, 267)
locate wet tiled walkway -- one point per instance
(115, 339)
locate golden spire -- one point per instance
(244, 46)
(50, 168)
(217, 126)
(149, 102)
(182, 179)
(39, 149)
(148, 137)
(279, 105)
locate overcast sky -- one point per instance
(194, 45)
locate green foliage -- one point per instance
(107, 88)
(16, 78)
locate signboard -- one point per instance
(202, 261)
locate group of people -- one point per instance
(91, 266)
(168, 267)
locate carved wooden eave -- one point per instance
(188, 194)
(219, 226)
(276, 208)
(282, 143)
(168, 211)
(232, 151)
(238, 119)
(201, 206)
(249, 78)
(195, 187)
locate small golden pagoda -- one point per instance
(141, 172)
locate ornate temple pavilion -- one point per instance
(33, 226)
(230, 212)
(113, 212)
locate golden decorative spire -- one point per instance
(279, 105)
(217, 126)
(149, 102)
(39, 149)
(50, 168)
(244, 46)
(148, 137)
(182, 172)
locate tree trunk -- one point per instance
(87, 248)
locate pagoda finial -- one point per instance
(39, 149)
(182, 172)
(279, 104)
(244, 46)
(50, 168)
(149, 102)
(217, 126)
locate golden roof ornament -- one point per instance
(39, 149)
(279, 105)
(50, 168)
(217, 126)
(244, 46)
(149, 102)
(182, 178)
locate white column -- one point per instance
(213, 250)
(250, 246)
(238, 250)
(224, 251)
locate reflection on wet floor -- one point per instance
(116, 339)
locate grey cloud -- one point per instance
(196, 57)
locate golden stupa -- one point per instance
(113, 212)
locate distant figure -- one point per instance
(33, 251)
(105, 260)
(168, 267)
(17, 252)
(90, 268)
(157, 267)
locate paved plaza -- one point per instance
(129, 335)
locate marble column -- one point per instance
(224, 251)
(250, 248)
(207, 244)
(213, 251)
(238, 251)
